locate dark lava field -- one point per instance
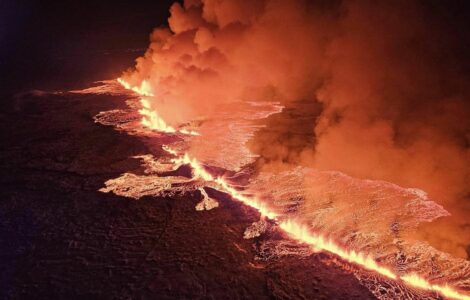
(60, 238)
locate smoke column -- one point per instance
(396, 107)
(385, 86)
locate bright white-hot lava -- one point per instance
(142, 90)
(291, 227)
(224, 186)
(151, 119)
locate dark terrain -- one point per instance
(62, 239)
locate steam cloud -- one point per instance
(387, 83)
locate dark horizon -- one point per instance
(38, 39)
(47, 44)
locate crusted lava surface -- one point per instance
(60, 238)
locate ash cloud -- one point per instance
(222, 51)
(388, 84)
(396, 107)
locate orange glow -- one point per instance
(143, 90)
(223, 185)
(302, 234)
(169, 150)
(293, 228)
(416, 281)
(317, 241)
(151, 119)
(189, 132)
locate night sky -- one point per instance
(43, 42)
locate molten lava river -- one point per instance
(362, 224)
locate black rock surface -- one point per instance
(60, 238)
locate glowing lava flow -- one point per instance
(142, 90)
(151, 119)
(300, 232)
(224, 186)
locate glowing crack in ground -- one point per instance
(297, 228)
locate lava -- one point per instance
(224, 186)
(301, 233)
(142, 90)
(317, 241)
(151, 119)
(292, 228)
(417, 281)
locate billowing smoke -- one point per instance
(397, 108)
(221, 51)
(374, 89)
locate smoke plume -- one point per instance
(374, 89)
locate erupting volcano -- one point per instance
(290, 225)
(257, 149)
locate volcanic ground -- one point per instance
(60, 238)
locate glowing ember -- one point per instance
(294, 229)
